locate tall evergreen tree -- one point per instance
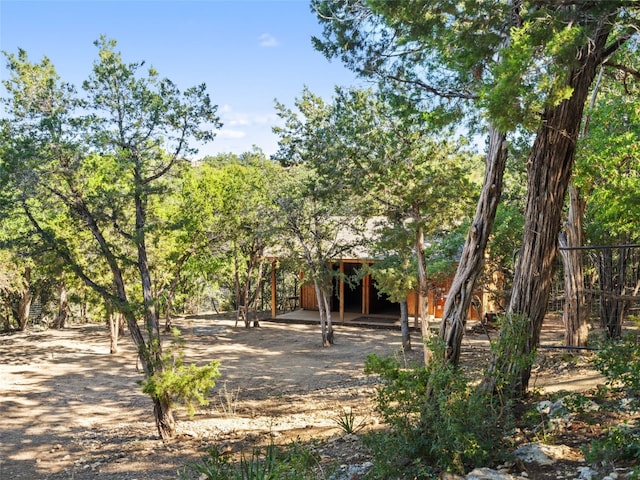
(450, 59)
(84, 172)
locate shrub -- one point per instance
(180, 383)
(437, 422)
(293, 462)
(622, 442)
(619, 362)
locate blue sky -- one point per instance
(248, 52)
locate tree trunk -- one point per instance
(423, 292)
(150, 358)
(165, 422)
(324, 309)
(471, 263)
(404, 326)
(63, 308)
(574, 318)
(236, 278)
(152, 353)
(549, 172)
(24, 308)
(329, 340)
(114, 321)
(246, 288)
(24, 305)
(255, 296)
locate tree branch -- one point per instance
(623, 68)
(430, 89)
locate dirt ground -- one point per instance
(70, 410)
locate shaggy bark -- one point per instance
(63, 308)
(471, 263)
(24, 303)
(573, 316)
(549, 172)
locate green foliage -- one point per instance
(512, 356)
(619, 362)
(349, 422)
(293, 462)
(608, 163)
(180, 383)
(579, 404)
(88, 174)
(450, 57)
(436, 421)
(385, 163)
(532, 72)
(622, 442)
(227, 218)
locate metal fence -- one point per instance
(611, 283)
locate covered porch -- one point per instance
(359, 303)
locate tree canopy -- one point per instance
(521, 65)
(84, 173)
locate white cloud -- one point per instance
(233, 118)
(268, 40)
(241, 131)
(238, 122)
(231, 133)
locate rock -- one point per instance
(558, 409)
(351, 472)
(490, 474)
(450, 476)
(544, 407)
(587, 473)
(542, 454)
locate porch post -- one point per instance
(341, 291)
(366, 283)
(417, 308)
(274, 302)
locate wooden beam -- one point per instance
(274, 290)
(341, 291)
(366, 283)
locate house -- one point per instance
(362, 303)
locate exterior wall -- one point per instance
(308, 300)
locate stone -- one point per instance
(542, 454)
(490, 474)
(587, 473)
(450, 476)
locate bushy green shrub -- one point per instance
(180, 383)
(292, 462)
(619, 362)
(436, 421)
(622, 442)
